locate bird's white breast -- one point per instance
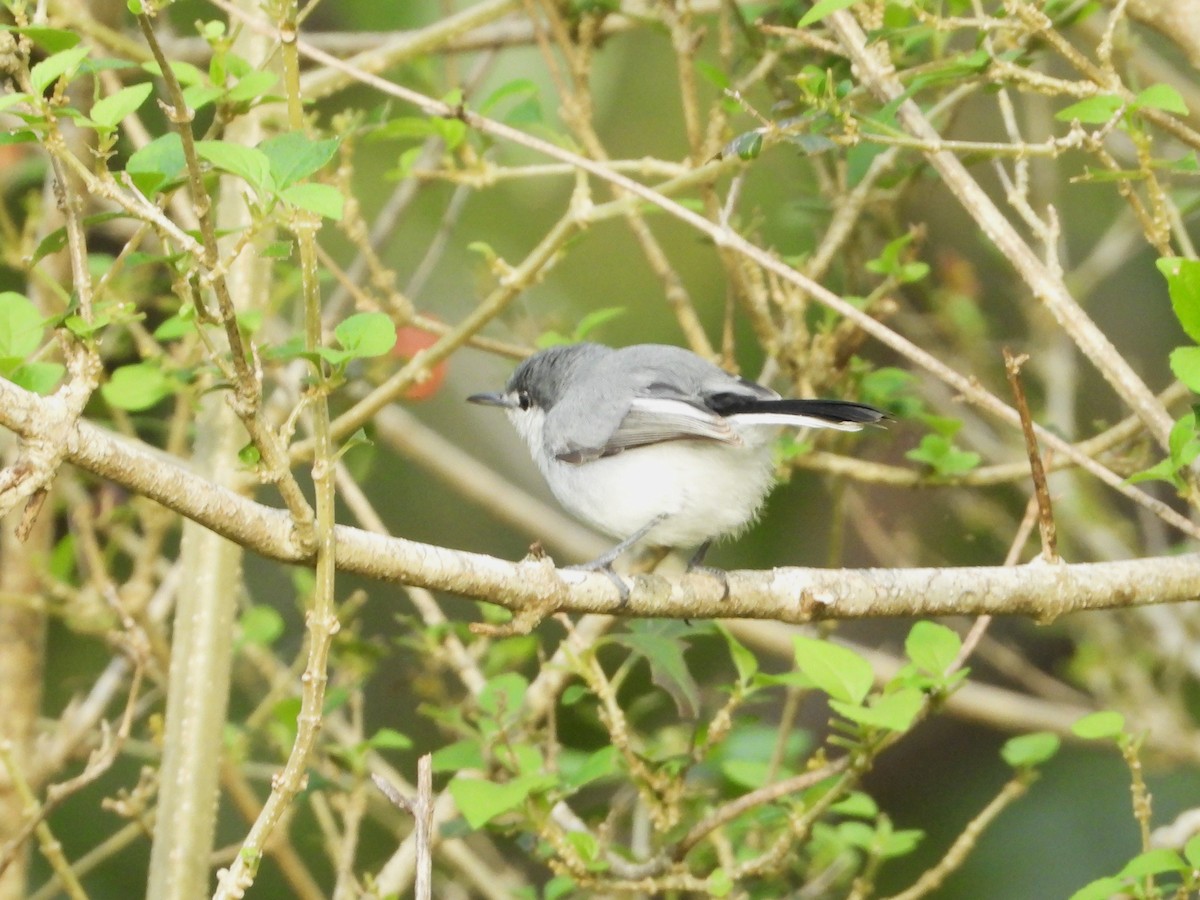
(705, 488)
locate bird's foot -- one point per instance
(695, 564)
(604, 564)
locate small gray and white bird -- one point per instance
(654, 445)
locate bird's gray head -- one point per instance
(541, 380)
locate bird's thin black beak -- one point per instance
(492, 399)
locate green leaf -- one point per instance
(251, 86)
(940, 453)
(52, 40)
(743, 659)
(558, 887)
(839, 672)
(594, 766)
(260, 625)
(323, 199)
(503, 696)
(1154, 862)
(136, 387)
(525, 90)
(821, 9)
(294, 156)
(39, 377)
(175, 327)
(1100, 889)
(1191, 850)
(159, 162)
(659, 643)
(20, 326)
(1027, 750)
(1185, 365)
(1162, 96)
(464, 754)
(714, 75)
(593, 320)
(893, 712)
(857, 804)
(1092, 111)
(1183, 283)
(1099, 725)
(933, 648)
(364, 335)
(53, 67)
(185, 73)
(481, 801)
(389, 739)
(747, 145)
(109, 112)
(248, 163)
(718, 884)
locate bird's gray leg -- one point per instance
(603, 562)
(695, 564)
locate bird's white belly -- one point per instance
(705, 490)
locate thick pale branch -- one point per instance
(534, 588)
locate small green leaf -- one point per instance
(251, 86)
(481, 801)
(20, 326)
(857, 804)
(1100, 889)
(743, 659)
(248, 163)
(839, 672)
(559, 887)
(892, 712)
(713, 75)
(39, 377)
(52, 40)
(1185, 365)
(1092, 111)
(932, 647)
(1154, 862)
(294, 156)
(185, 73)
(389, 739)
(594, 766)
(1162, 96)
(943, 456)
(464, 754)
(50, 69)
(747, 145)
(1191, 851)
(661, 645)
(364, 335)
(718, 884)
(503, 696)
(109, 112)
(260, 625)
(821, 9)
(595, 319)
(136, 387)
(1099, 725)
(523, 89)
(159, 162)
(1027, 750)
(323, 199)
(1183, 283)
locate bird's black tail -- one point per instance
(835, 412)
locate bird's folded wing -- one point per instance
(652, 420)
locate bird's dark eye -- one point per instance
(524, 400)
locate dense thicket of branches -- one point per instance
(255, 255)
